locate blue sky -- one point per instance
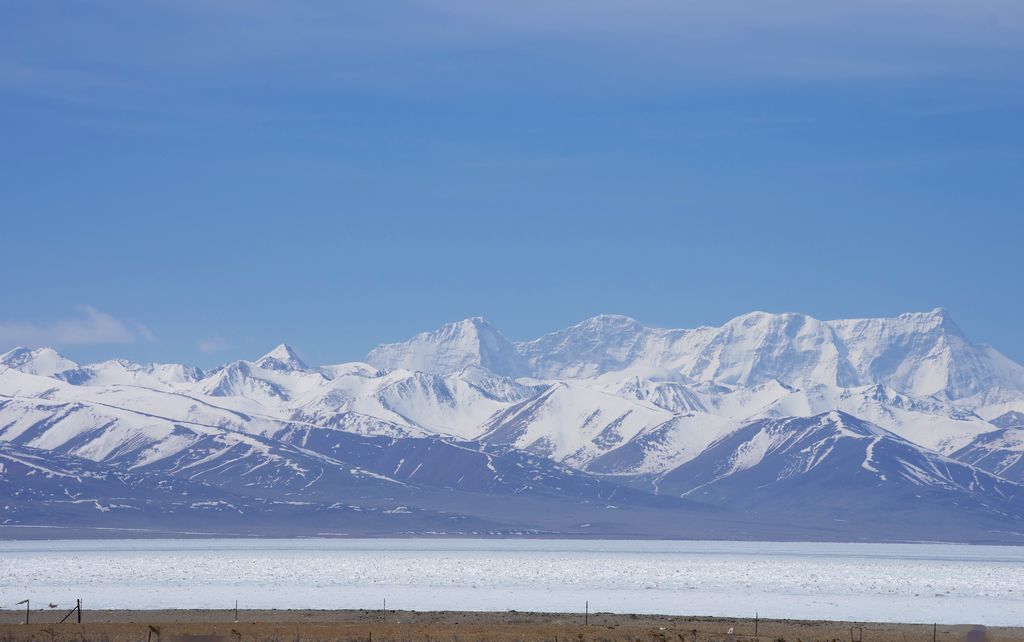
(199, 181)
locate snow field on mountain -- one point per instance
(658, 409)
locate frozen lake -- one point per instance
(896, 582)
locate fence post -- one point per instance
(78, 605)
(586, 614)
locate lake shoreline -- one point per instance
(12, 533)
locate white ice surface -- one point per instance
(869, 582)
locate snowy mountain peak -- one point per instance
(609, 321)
(936, 319)
(283, 359)
(760, 347)
(918, 353)
(45, 362)
(163, 376)
(597, 345)
(924, 353)
(834, 417)
(1011, 419)
(451, 349)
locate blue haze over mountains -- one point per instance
(771, 426)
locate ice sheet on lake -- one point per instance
(896, 582)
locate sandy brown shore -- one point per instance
(455, 626)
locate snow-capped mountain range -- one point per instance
(770, 426)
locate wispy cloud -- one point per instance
(626, 38)
(90, 327)
(213, 344)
